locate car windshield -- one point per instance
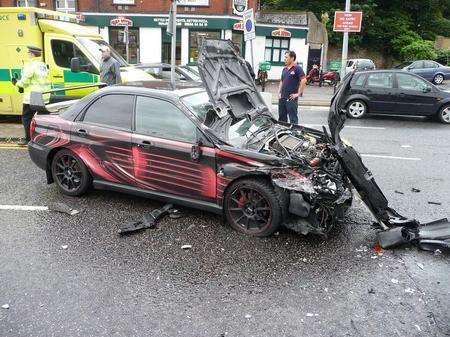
(240, 130)
(93, 47)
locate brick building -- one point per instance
(196, 19)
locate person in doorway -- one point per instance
(34, 78)
(292, 85)
(109, 68)
(249, 66)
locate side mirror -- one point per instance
(75, 64)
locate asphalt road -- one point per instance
(227, 284)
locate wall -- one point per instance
(380, 60)
(150, 44)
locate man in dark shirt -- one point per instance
(292, 84)
(109, 68)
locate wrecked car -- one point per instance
(218, 149)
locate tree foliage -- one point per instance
(392, 24)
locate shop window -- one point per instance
(117, 40)
(275, 49)
(66, 6)
(238, 39)
(63, 51)
(26, 3)
(195, 38)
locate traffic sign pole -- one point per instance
(173, 44)
(345, 44)
(249, 30)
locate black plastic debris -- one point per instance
(62, 208)
(398, 192)
(434, 203)
(149, 220)
(415, 190)
(175, 213)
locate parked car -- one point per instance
(396, 92)
(163, 70)
(359, 65)
(430, 70)
(192, 70)
(224, 154)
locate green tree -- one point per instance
(419, 50)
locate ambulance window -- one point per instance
(63, 51)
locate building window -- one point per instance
(195, 38)
(26, 3)
(66, 6)
(275, 49)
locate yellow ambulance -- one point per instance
(62, 39)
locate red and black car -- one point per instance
(219, 150)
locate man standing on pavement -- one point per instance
(292, 84)
(109, 68)
(34, 78)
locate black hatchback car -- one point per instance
(396, 92)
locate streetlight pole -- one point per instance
(345, 44)
(174, 43)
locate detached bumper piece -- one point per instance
(149, 220)
(429, 236)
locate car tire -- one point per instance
(254, 207)
(70, 173)
(438, 79)
(356, 109)
(444, 114)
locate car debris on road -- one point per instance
(149, 220)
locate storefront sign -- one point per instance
(193, 3)
(347, 22)
(123, 2)
(240, 6)
(121, 21)
(281, 32)
(238, 26)
(183, 22)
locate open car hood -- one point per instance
(225, 75)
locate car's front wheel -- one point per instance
(438, 79)
(253, 207)
(70, 173)
(444, 114)
(356, 109)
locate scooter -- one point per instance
(330, 77)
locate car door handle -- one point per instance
(145, 144)
(82, 132)
(401, 94)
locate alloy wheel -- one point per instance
(68, 173)
(249, 209)
(356, 109)
(445, 115)
(438, 79)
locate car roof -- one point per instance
(384, 71)
(154, 65)
(134, 88)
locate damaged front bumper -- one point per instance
(396, 229)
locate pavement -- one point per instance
(312, 96)
(75, 276)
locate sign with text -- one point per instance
(281, 32)
(349, 22)
(193, 2)
(249, 25)
(121, 21)
(240, 6)
(238, 26)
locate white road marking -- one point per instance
(406, 146)
(23, 208)
(389, 157)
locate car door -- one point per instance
(417, 68)
(417, 96)
(163, 143)
(379, 88)
(429, 70)
(102, 138)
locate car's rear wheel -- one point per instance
(253, 207)
(70, 173)
(444, 114)
(356, 109)
(438, 79)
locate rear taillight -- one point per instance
(32, 128)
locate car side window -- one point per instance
(349, 63)
(114, 110)
(430, 64)
(380, 80)
(158, 118)
(359, 81)
(417, 65)
(409, 82)
(63, 51)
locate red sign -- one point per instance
(281, 32)
(238, 26)
(121, 21)
(347, 22)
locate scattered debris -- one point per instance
(371, 291)
(149, 220)
(398, 192)
(395, 281)
(185, 247)
(420, 265)
(62, 208)
(417, 327)
(406, 146)
(434, 203)
(5, 306)
(175, 213)
(409, 291)
(415, 190)
(378, 250)
(64, 247)
(311, 315)
(437, 252)
(248, 316)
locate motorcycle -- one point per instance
(316, 75)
